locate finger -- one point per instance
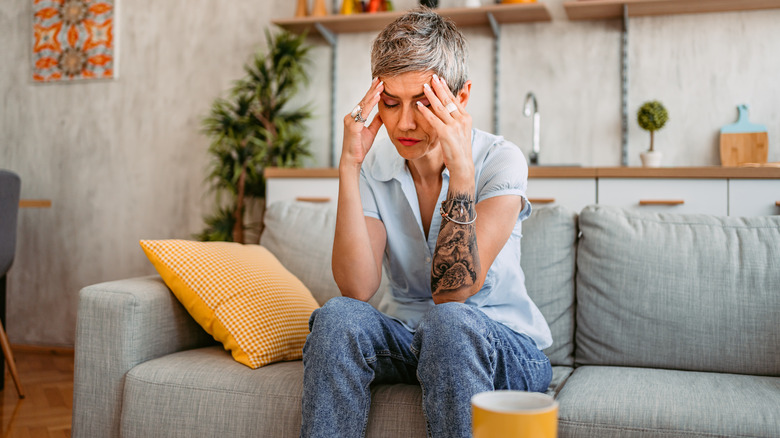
(446, 96)
(437, 105)
(371, 99)
(445, 90)
(428, 115)
(376, 87)
(375, 124)
(367, 104)
(370, 92)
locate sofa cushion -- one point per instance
(300, 234)
(202, 392)
(548, 259)
(604, 402)
(239, 294)
(690, 292)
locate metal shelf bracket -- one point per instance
(326, 33)
(494, 26)
(624, 70)
(331, 38)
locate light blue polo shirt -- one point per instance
(388, 194)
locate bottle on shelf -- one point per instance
(319, 9)
(374, 5)
(348, 7)
(302, 9)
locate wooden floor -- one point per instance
(47, 381)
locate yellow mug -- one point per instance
(514, 414)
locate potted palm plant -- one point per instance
(652, 116)
(254, 128)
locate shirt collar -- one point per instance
(387, 164)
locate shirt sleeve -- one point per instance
(367, 197)
(504, 172)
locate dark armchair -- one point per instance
(10, 188)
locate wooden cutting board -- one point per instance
(743, 142)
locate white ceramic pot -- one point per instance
(651, 159)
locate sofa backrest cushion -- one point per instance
(548, 259)
(300, 235)
(689, 292)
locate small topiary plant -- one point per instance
(652, 116)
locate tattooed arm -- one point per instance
(455, 265)
(459, 265)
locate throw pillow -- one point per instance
(240, 294)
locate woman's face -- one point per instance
(411, 134)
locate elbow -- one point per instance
(353, 287)
(455, 296)
(358, 294)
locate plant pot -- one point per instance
(651, 159)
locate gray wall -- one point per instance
(124, 160)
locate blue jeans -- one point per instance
(456, 352)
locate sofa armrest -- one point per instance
(120, 325)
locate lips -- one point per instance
(408, 141)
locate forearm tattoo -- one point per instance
(456, 261)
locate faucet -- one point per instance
(531, 107)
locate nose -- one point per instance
(408, 121)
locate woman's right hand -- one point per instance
(359, 138)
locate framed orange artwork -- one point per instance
(74, 40)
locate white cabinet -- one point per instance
(319, 190)
(707, 196)
(754, 197)
(716, 195)
(572, 193)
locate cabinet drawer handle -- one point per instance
(541, 200)
(312, 199)
(661, 202)
(34, 203)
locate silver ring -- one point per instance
(451, 107)
(357, 114)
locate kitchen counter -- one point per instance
(736, 191)
(584, 172)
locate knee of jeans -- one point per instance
(338, 312)
(452, 321)
(334, 326)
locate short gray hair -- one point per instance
(420, 41)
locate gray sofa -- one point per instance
(664, 325)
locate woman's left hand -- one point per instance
(448, 117)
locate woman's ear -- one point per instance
(464, 93)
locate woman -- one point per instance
(441, 207)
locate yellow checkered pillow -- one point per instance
(240, 294)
